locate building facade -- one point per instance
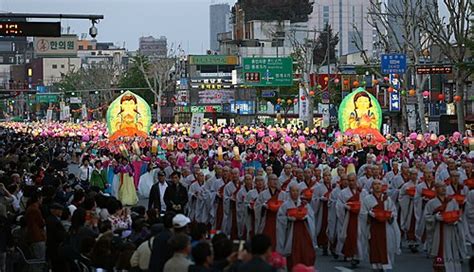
(349, 20)
(153, 47)
(219, 23)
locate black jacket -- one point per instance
(154, 201)
(256, 265)
(56, 234)
(161, 251)
(176, 194)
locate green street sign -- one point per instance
(265, 72)
(46, 98)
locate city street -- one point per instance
(404, 262)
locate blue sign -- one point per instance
(40, 89)
(394, 101)
(243, 107)
(394, 63)
(268, 93)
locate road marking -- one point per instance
(343, 269)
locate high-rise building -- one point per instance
(153, 47)
(349, 20)
(219, 23)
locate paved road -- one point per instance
(404, 262)
(407, 261)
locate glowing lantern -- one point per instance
(426, 94)
(326, 78)
(375, 82)
(311, 93)
(289, 101)
(336, 80)
(355, 84)
(441, 97)
(403, 92)
(457, 98)
(412, 92)
(303, 97)
(279, 100)
(319, 86)
(386, 79)
(295, 100)
(346, 82)
(390, 89)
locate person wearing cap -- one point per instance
(176, 195)
(180, 223)
(56, 234)
(157, 193)
(447, 246)
(407, 209)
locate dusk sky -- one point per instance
(181, 21)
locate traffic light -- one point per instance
(252, 77)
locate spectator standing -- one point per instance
(161, 251)
(181, 245)
(35, 233)
(176, 195)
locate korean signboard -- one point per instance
(264, 72)
(213, 60)
(65, 45)
(394, 101)
(243, 107)
(46, 98)
(208, 109)
(197, 121)
(303, 106)
(394, 63)
(431, 70)
(215, 96)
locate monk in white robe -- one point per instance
(243, 216)
(455, 189)
(334, 222)
(379, 236)
(229, 222)
(285, 175)
(425, 191)
(348, 213)
(468, 218)
(250, 201)
(198, 195)
(296, 236)
(319, 203)
(307, 186)
(442, 173)
(216, 199)
(367, 177)
(407, 210)
(266, 209)
(447, 246)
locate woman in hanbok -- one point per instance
(126, 191)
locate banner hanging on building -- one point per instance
(303, 105)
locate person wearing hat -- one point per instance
(56, 234)
(157, 192)
(180, 223)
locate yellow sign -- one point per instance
(128, 116)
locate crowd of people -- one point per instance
(233, 199)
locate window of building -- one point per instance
(81, 47)
(62, 66)
(55, 66)
(93, 53)
(89, 47)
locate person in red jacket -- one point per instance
(35, 227)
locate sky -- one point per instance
(184, 22)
